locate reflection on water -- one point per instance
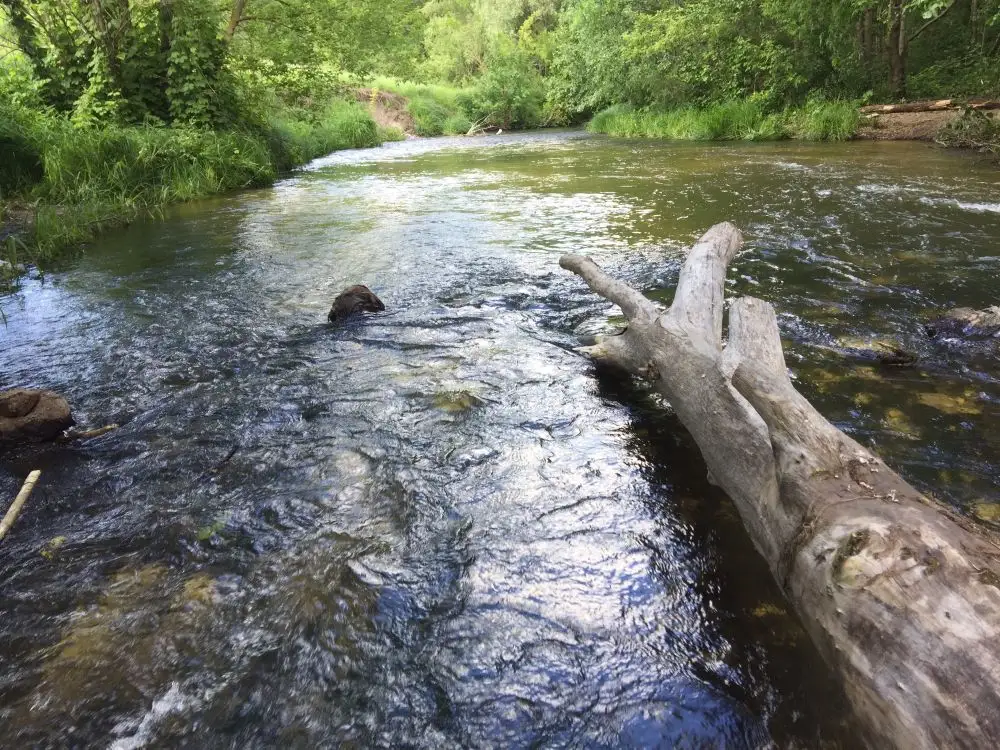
(439, 526)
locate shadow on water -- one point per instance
(436, 527)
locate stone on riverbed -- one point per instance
(354, 299)
(966, 322)
(29, 416)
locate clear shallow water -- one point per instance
(440, 527)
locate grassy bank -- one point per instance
(507, 97)
(65, 184)
(732, 121)
(435, 109)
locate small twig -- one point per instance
(19, 501)
(88, 434)
(218, 467)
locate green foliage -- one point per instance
(957, 78)
(429, 115)
(198, 90)
(667, 55)
(457, 124)
(510, 93)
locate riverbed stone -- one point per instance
(966, 322)
(30, 416)
(353, 300)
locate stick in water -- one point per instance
(19, 501)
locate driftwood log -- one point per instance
(937, 105)
(901, 597)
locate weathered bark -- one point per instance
(235, 18)
(868, 37)
(901, 597)
(896, 48)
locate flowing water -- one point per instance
(439, 526)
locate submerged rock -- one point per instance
(354, 299)
(967, 323)
(883, 352)
(32, 415)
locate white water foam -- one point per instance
(173, 701)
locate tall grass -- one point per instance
(436, 109)
(745, 120)
(825, 121)
(339, 125)
(80, 181)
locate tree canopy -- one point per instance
(199, 62)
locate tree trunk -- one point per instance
(108, 39)
(901, 597)
(896, 49)
(235, 18)
(868, 37)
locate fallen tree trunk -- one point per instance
(901, 597)
(938, 105)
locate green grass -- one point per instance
(79, 182)
(436, 109)
(731, 121)
(825, 121)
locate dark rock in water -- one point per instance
(967, 323)
(882, 352)
(355, 299)
(30, 416)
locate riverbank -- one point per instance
(62, 185)
(827, 121)
(745, 120)
(905, 126)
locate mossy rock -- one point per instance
(897, 421)
(987, 512)
(457, 401)
(956, 405)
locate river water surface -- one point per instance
(438, 526)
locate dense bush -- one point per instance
(510, 94)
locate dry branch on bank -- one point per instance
(901, 598)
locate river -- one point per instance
(439, 526)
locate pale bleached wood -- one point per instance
(15, 509)
(901, 596)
